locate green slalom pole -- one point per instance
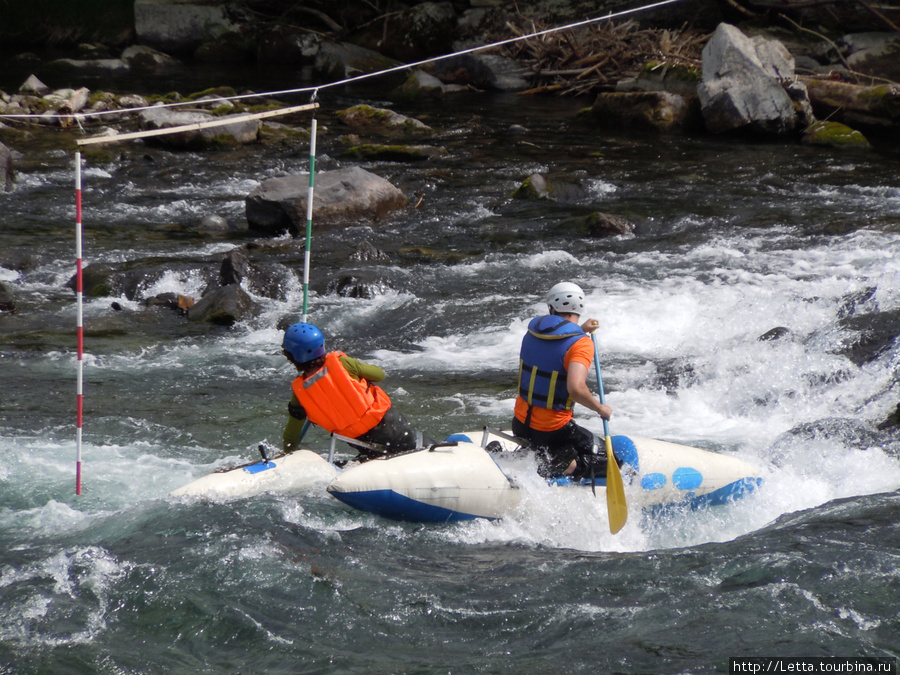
(309, 212)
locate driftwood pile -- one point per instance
(593, 58)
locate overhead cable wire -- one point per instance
(363, 76)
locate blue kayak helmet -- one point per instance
(304, 342)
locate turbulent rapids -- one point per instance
(751, 315)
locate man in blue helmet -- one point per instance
(337, 393)
(554, 362)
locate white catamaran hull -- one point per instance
(463, 482)
(458, 482)
(286, 473)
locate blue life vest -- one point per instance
(542, 376)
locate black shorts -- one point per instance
(395, 434)
(556, 449)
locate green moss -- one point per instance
(524, 191)
(881, 96)
(672, 71)
(100, 96)
(834, 134)
(171, 97)
(367, 111)
(263, 107)
(216, 92)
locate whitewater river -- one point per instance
(731, 241)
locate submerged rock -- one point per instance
(7, 298)
(539, 186)
(223, 306)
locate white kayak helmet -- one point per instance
(566, 298)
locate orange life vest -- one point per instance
(337, 402)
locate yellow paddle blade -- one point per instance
(616, 505)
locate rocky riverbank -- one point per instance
(639, 70)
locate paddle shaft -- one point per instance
(616, 505)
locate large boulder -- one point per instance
(742, 84)
(180, 26)
(278, 205)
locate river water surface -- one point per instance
(731, 240)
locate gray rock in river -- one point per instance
(238, 132)
(179, 27)
(223, 306)
(7, 299)
(278, 205)
(742, 84)
(6, 168)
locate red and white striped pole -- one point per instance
(80, 325)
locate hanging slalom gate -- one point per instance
(79, 234)
(116, 138)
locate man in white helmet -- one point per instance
(554, 362)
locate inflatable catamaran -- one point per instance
(462, 479)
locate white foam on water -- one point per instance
(680, 348)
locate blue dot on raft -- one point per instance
(653, 481)
(686, 478)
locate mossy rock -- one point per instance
(395, 153)
(213, 92)
(669, 71)
(533, 187)
(540, 187)
(381, 120)
(835, 135)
